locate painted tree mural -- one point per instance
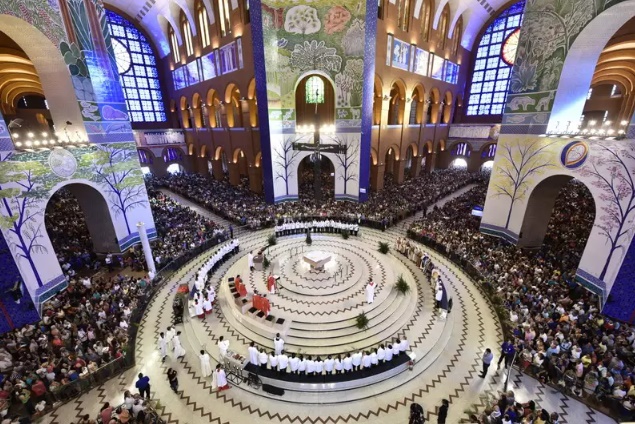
(347, 160)
(23, 184)
(611, 173)
(516, 165)
(116, 167)
(284, 155)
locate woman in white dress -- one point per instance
(178, 348)
(206, 366)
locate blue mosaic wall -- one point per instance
(13, 314)
(621, 300)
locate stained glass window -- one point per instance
(491, 76)
(137, 71)
(314, 90)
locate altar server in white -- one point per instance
(178, 348)
(329, 364)
(169, 337)
(223, 346)
(253, 354)
(207, 306)
(357, 360)
(206, 366)
(370, 291)
(294, 363)
(278, 344)
(347, 363)
(163, 347)
(283, 362)
(220, 379)
(250, 261)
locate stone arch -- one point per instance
(203, 153)
(488, 151)
(441, 146)
(447, 107)
(214, 108)
(377, 100)
(373, 155)
(397, 103)
(258, 160)
(172, 154)
(307, 158)
(197, 110)
(539, 208)
(191, 149)
(391, 157)
(304, 111)
(252, 103)
(185, 112)
(233, 106)
(52, 72)
(146, 157)
(433, 106)
(579, 65)
(239, 159)
(460, 148)
(97, 213)
(218, 152)
(417, 105)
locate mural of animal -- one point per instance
(521, 102)
(356, 113)
(515, 119)
(287, 115)
(543, 102)
(342, 113)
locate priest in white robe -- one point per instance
(163, 347)
(250, 261)
(220, 379)
(179, 351)
(370, 292)
(223, 347)
(206, 366)
(253, 354)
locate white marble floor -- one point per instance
(321, 310)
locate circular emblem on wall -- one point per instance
(62, 163)
(574, 154)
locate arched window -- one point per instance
(461, 149)
(404, 14)
(489, 152)
(187, 34)
(174, 45)
(224, 14)
(172, 154)
(443, 25)
(203, 24)
(457, 35)
(493, 65)
(314, 88)
(425, 16)
(137, 71)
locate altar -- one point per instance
(317, 259)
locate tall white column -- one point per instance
(147, 251)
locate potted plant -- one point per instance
(308, 238)
(361, 321)
(402, 286)
(271, 241)
(345, 234)
(383, 247)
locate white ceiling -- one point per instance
(155, 16)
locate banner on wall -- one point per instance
(400, 54)
(156, 138)
(436, 66)
(421, 62)
(178, 76)
(208, 66)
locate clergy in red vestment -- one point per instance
(271, 284)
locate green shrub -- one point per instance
(402, 286)
(345, 234)
(308, 238)
(266, 263)
(361, 321)
(272, 240)
(384, 247)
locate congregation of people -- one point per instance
(557, 331)
(383, 208)
(85, 328)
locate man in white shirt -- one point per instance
(223, 346)
(395, 348)
(347, 363)
(338, 365)
(366, 360)
(273, 361)
(357, 360)
(253, 354)
(283, 362)
(389, 353)
(262, 359)
(310, 366)
(294, 363)
(250, 261)
(278, 344)
(381, 354)
(329, 364)
(404, 345)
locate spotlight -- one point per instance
(611, 131)
(45, 134)
(592, 122)
(45, 142)
(30, 135)
(36, 143)
(18, 144)
(29, 144)
(624, 123)
(15, 135)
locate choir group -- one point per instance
(286, 228)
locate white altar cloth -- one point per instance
(317, 259)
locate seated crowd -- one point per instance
(506, 410)
(558, 332)
(384, 208)
(85, 327)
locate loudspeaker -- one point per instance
(273, 390)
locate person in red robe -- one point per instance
(271, 284)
